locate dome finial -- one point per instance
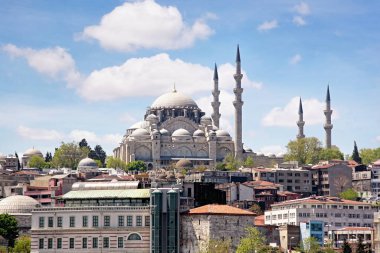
(174, 89)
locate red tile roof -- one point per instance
(214, 209)
(259, 220)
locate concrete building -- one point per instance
(333, 211)
(9, 162)
(375, 180)
(351, 235)
(376, 235)
(213, 222)
(219, 177)
(313, 228)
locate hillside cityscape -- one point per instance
(136, 126)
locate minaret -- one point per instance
(216, 104)
(328, 126)
(300, 122)
(238, 104)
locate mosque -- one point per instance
(174, 127)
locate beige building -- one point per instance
(213, 222)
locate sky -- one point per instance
(89, 69)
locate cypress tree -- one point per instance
(355, 154)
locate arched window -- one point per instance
(134, 237)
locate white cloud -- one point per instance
(302, 9)
(39, 134)
(295, 59)
(288, 115)
(378, 138)
(268, 25)
(299, 21)
(128, 118)
(53, 62)
(151, 76)
(272, 150)
(146, 24)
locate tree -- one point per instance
(355, 154)
(349, 194)
(83, 144)
(101, 154)
(8, 228)
(37, 162)
(116, 163)
(248, 163)
(220, 166)
(255, 208)
(218, 246)
(346, 248)
(231, 163)
(252, 242)
(369, 155)
(360, 248)
(18, 161)
(136, 166)
(22, 245)
(328, 154)
(48, 157)
(68, 155)
(304, 150)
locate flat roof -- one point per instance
(108, 194)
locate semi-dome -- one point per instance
(181, 132)
(140, 124)
(87, 162)
(31, 152)
(183, 164)
(222, 133)
(140, 132)
(18, 204)
(199, 133)
(174, 99)
(164, 132)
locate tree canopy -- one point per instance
(96, 154)
(349, 194)
(69, 155)
(304, 150)
(346, 248)
(328, 154)
(369, 155)
(37, 162)
(252, 242)
(22, 245)
(230, 163)
(8, 228)
(218, 246)
(116, 163)
(248, 163)
(310, 245)
(136, 166)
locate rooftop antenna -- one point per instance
(174, 89)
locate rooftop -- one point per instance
(219, 210)
(108, 194)
(321, 200)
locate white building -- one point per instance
(336, 213)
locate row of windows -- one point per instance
(95, 221)
(323, 207)
(94, 243)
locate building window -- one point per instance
(41, 243)
(84, 243)
(95, 221)
(106, 242)
(138, 220)
(50, 243)
(129, 221)
(120, 243)
(41, 222)
(84, 221)
(121, 221)
(147, 221)
(134, 237)
(50, 222)
(59, 222)
(95, 242)
(59, 243)
(71, 243)
(72, 221)
(107, 221)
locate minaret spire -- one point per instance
(216, 104)
(300, 122)
(238, 104)
(328, 126)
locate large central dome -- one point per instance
(174, 99)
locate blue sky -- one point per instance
(88, 69)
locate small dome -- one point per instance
(87, 162)
(205, 117)
(164, 132)
(174, 99)
(199, 133)
(140, 124)
(139, 132)
(31, 152)
(155, 131)
(184, 163)
(222, 133)
(181, 132)
(151, 117)
(18, 204)
(2, 157)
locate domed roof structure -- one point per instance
(31, 152)
(87, 162)
(140, 132)
(140, 124)
(199, 133)
(183, 164)
(174, 99)
(164, 132)
(18, 204)
(222, 133)
(181, 132)
(151, 117)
